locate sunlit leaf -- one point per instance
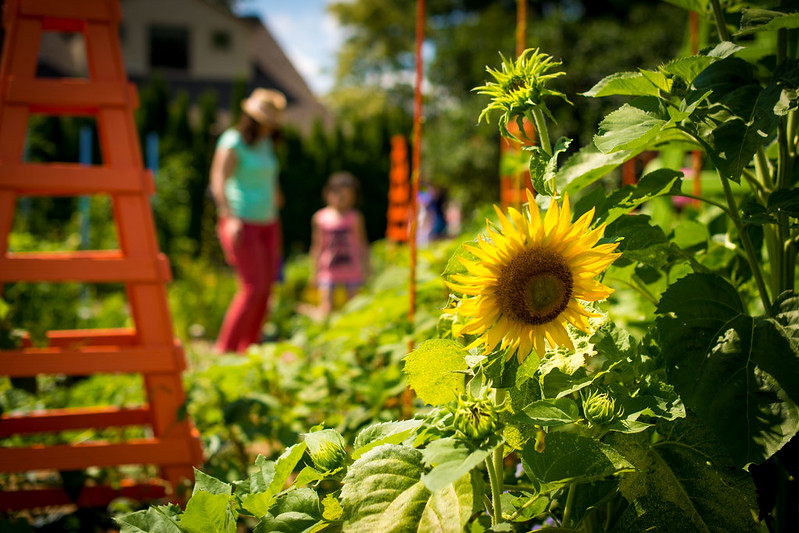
(383, 433)
(640, 240)
(298, 511)
(632, 126)
(623, 83)
(383, 491)
(270, 479)
(450, 460)
(156, 519)
(624, 200)
(208, 513)
(433, 371)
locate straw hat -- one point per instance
(265, 106)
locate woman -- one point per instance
(244, 185)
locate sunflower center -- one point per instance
(535, 286)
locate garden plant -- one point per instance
(604, 362)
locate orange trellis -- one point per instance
(148, 348)
(399, 191)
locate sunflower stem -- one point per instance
(496, 465)
(747, 243)
(541, 129)
(567, 511)
(721, 24)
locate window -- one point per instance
(169, 47)
(220, 40)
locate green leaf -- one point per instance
(623, 83)
(544, 166)
(758, 20)
(384, 433)
(742, 116)
(640, 240)
(433, 371)
(683, 478)
(450, 459)
(549, 412)
(206, 483)
(588, 165)
(632, 126)
(332, 509)
(622, 201)
(572, 458)
(270, 478)
(208, 513)
(297, 511)
(739, 374)
(700, 6)
(784, 201)
(383, 491)
(687, 68)
(454, 265)
(156, 519)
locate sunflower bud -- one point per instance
(600, 409)
(476, 418)
(327, 450)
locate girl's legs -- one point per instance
(326, 298)
(255, 262)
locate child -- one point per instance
(339, 248)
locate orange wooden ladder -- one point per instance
(399, 191)
(148, 348)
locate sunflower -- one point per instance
(530, 279)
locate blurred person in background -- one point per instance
(244, 184)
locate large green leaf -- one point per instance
(588, 165)
(757, 20)
(208, 513)
(204, 482)
(450, 459)
(270, 478)
(156, 519)
(640, 240)
(549, 412)
(383, 491)
(543, 166)
(623, 83)
(434, 371)
(632, 126)
(741, 118)
(298, 511)
(624, 200)
(683, 478)
(383, 433)
(738, 373)
(568, 457)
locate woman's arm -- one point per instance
(223, 166)
(316, 248)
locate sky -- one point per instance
(306, 32)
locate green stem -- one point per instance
(541, 129)
(567, 512)
(755, 184)
(496, 493)
(747, 243)
(721, 26)
(762, 168)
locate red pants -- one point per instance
(255, 259)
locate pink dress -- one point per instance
(341, 256)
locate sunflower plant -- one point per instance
(616, 359)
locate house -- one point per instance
(196, 45)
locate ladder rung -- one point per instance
(96, 266)
(80, 456)
(90, 496)
(73, 338)
(65, 179)
(90, 360)
(85, 9)
(49, 95)
(56, 420)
